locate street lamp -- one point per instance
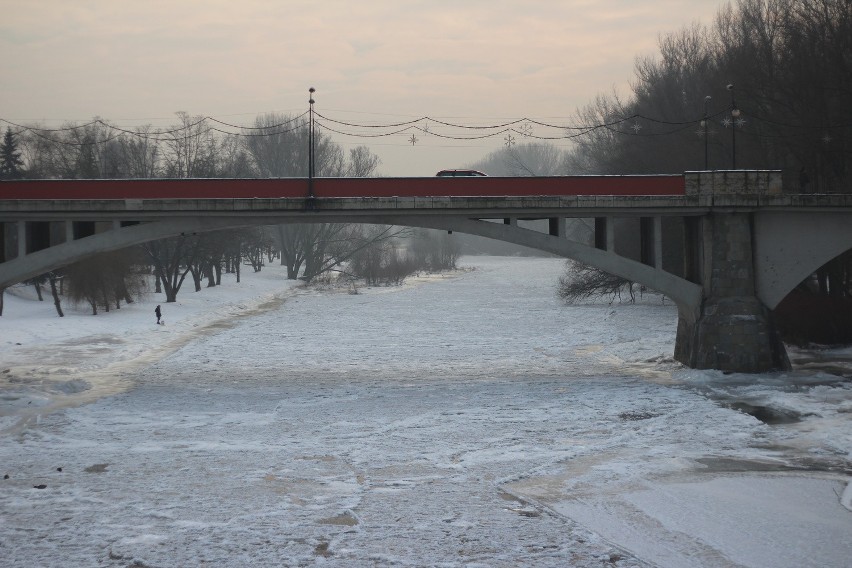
(704, 126)
(311, 134)
(735, 114)
(311, 92)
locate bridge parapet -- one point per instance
(472, 206)
(727, 182)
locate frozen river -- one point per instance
(465, 421)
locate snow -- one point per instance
(466, 419)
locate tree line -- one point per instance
(784, 65)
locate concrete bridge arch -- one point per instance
(71, 251)
(790, 246)
(684, 293)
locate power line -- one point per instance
(523, 127)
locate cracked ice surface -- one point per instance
(465, 421)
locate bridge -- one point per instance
(725, 246)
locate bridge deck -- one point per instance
(342, 187)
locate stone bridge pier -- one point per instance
(732, 329)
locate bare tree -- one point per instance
(278, 145)
(253, 250)
(327, 245)
(581, 282)
(524, 160)
(171, 259)
(104, 280)
(234, 161)
(140, 153)
(190, 148)
(84, 283)
(362, 162)
(381, 260)
(53, 277)
(36, 283)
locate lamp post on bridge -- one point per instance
(735, 115)
(311, 92)
(704, 126)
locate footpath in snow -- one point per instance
(461, 420)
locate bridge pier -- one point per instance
(732, 329)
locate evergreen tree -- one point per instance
(11, 165)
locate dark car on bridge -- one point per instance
(459, 173)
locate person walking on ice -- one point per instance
(158, 313)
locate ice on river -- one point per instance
(462, 420)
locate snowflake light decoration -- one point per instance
(509, 140)
(412, 139)
(526, 130)
(827, 139)
(636, 127)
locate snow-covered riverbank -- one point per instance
(470, 420)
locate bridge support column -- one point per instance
(557, 226)
(651, 241)
(658, 242)
(733, 330)
(605, 233)
(22, 239)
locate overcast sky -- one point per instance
(471, 61)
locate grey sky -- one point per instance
(471, 61)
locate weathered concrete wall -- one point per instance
(733, 330)
(734, 182)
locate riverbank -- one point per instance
(48, 363)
